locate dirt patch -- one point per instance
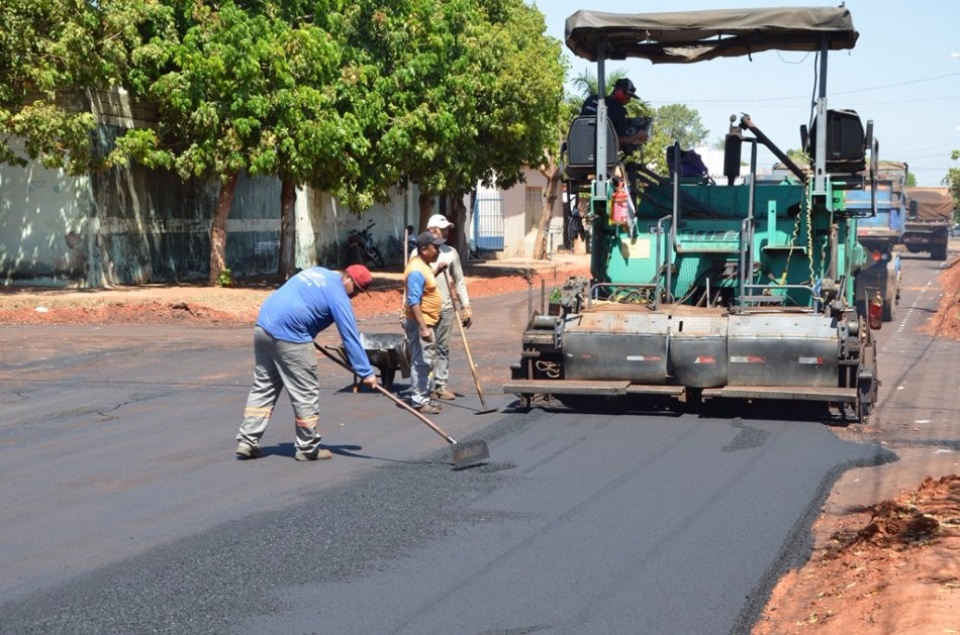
(946, 323)
(888, 568)
(891, 568)
(235, 306)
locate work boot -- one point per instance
(443, 393)
(247, 451)
(320, 454)
(429, 409)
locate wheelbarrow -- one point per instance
(387, 352)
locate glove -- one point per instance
(467, 316)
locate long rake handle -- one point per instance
(392, 397)
(466, 347)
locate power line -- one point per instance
(720, 102)
(915, 81)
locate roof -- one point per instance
(684, 37)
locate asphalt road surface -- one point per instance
(125, 511)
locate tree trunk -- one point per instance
(458, 234)
(553, 186)
(218, 230)
(425, 203)
(288, 229)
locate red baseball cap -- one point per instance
(361, 277)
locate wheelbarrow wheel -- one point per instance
(387, 375)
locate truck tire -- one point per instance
(889, 311)
(938, 252)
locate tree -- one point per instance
(681, 123)
(673, 122)
(457, 98)
(241, 90)
(799, 157)
(952, 181)
(53, 54)
(524, 109)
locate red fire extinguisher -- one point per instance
(875, 312)
(619, 206)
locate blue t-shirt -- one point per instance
(415, 285)
(308, 303)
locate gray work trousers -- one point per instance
(421, 362)
(282, 365)
(441, 360)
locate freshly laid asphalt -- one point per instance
(125, 510)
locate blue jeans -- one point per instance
(421, 362)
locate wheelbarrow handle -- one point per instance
(336, 359)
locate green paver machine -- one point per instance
(733, 289)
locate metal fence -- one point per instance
(488, 222)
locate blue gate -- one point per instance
(488, 222)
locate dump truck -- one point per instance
(729, 289)
(880, 232)
(930, 213)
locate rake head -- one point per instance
(469, 452)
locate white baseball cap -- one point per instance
(439, 221)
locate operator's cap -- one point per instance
(439, 221)
(361, 277)
(626, 86)
(428, 238)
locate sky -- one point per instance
(903, 73)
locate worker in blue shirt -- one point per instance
(289, 320)
(422, 311)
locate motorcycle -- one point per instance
(362, 250)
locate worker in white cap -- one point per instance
(440, 226)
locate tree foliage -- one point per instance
(238, 90)
(452, 93)
(52, 55)
(952, 181)
(681, 123)
(799, 157)
(673, 122)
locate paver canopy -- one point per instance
(684, 37)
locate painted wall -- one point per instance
(323, 226)
(126, 226)
(521, 215)
(138, 226)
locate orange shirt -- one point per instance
(430, 302)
